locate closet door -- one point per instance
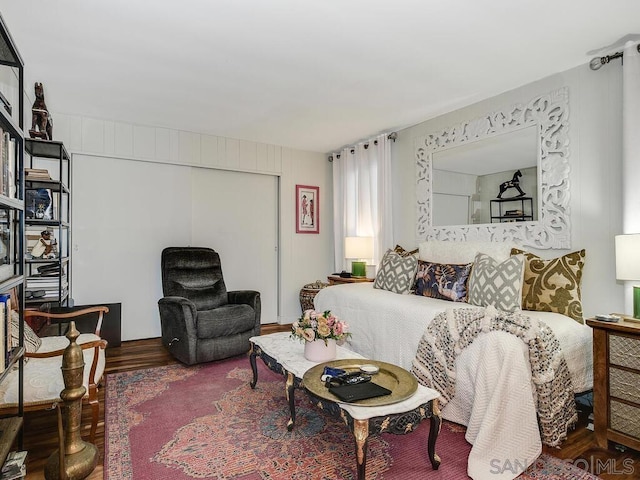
(124, 212)
(236, 214)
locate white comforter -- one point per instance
(494, 397)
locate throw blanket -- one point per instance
(450, 333)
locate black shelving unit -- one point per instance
(516, 209)
(52, 156)
(12, 231)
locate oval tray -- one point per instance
(401, 383)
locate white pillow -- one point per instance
(440, 251)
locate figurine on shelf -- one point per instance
(45, 247)
(41, 121)
(513, 183)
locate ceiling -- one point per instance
(312, 75)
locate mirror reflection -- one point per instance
(492, 180)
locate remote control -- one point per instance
(608, 318)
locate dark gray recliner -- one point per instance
(201, 321)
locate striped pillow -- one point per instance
(32, 341)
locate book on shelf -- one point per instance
(514, 213)
(14, 467)
(5, 319)
(7, 164)
(3, 338)
(35, 174)
(49, 268)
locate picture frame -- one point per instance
(307, 209)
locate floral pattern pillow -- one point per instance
(443, 281)
(553, 285)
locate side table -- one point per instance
(309, 292)
(337, 279)
(616, 382)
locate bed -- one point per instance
(494, 393)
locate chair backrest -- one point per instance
(194, 273)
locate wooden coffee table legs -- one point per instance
(361, 435)
(290, 389)
(398, 424)
(254, 367)
(434, 431)
(272, 364)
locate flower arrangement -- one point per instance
(313, 325)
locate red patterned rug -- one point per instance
(177, 422)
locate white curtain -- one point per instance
(362, 197)
(630, 148)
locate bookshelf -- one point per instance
(11, 228)
(517, 209)
(48, 223)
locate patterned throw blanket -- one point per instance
(453, 330)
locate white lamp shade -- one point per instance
(358, 247)
(628, 257)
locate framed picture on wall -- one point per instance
(307, 209)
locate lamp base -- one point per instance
(359, 269)
(636, 302)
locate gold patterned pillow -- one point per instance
(553, 285)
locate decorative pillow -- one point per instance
(396, 273)
(404, 253)
(32, 341)
(553, 285)
(497, 284)
(442, 280)
(459, 253)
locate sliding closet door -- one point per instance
(236, 214)
(124, 213)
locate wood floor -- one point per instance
(40, 431)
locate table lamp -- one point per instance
(628, 264)
(358, 248)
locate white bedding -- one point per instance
(494, 397)
(387, 326)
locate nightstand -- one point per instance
(337, 279)
(616, 382)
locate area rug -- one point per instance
(177, 422)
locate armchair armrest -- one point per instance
(71, 315)
(248, 297)
(181, 309)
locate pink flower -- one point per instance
(313, 325)
(309, 334)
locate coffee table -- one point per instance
(284, 355)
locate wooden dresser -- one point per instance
(616, 382)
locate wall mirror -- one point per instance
(492, 180)
(460, 170)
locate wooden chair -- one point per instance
(43, 380)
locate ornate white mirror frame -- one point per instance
(550, 113)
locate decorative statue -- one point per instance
(513, 183)
(41, 121)
(45, 247)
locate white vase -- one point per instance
(317, 351)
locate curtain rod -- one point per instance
(598, 62)
(391, 136)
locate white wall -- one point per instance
(595, 177)
(303, 258)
